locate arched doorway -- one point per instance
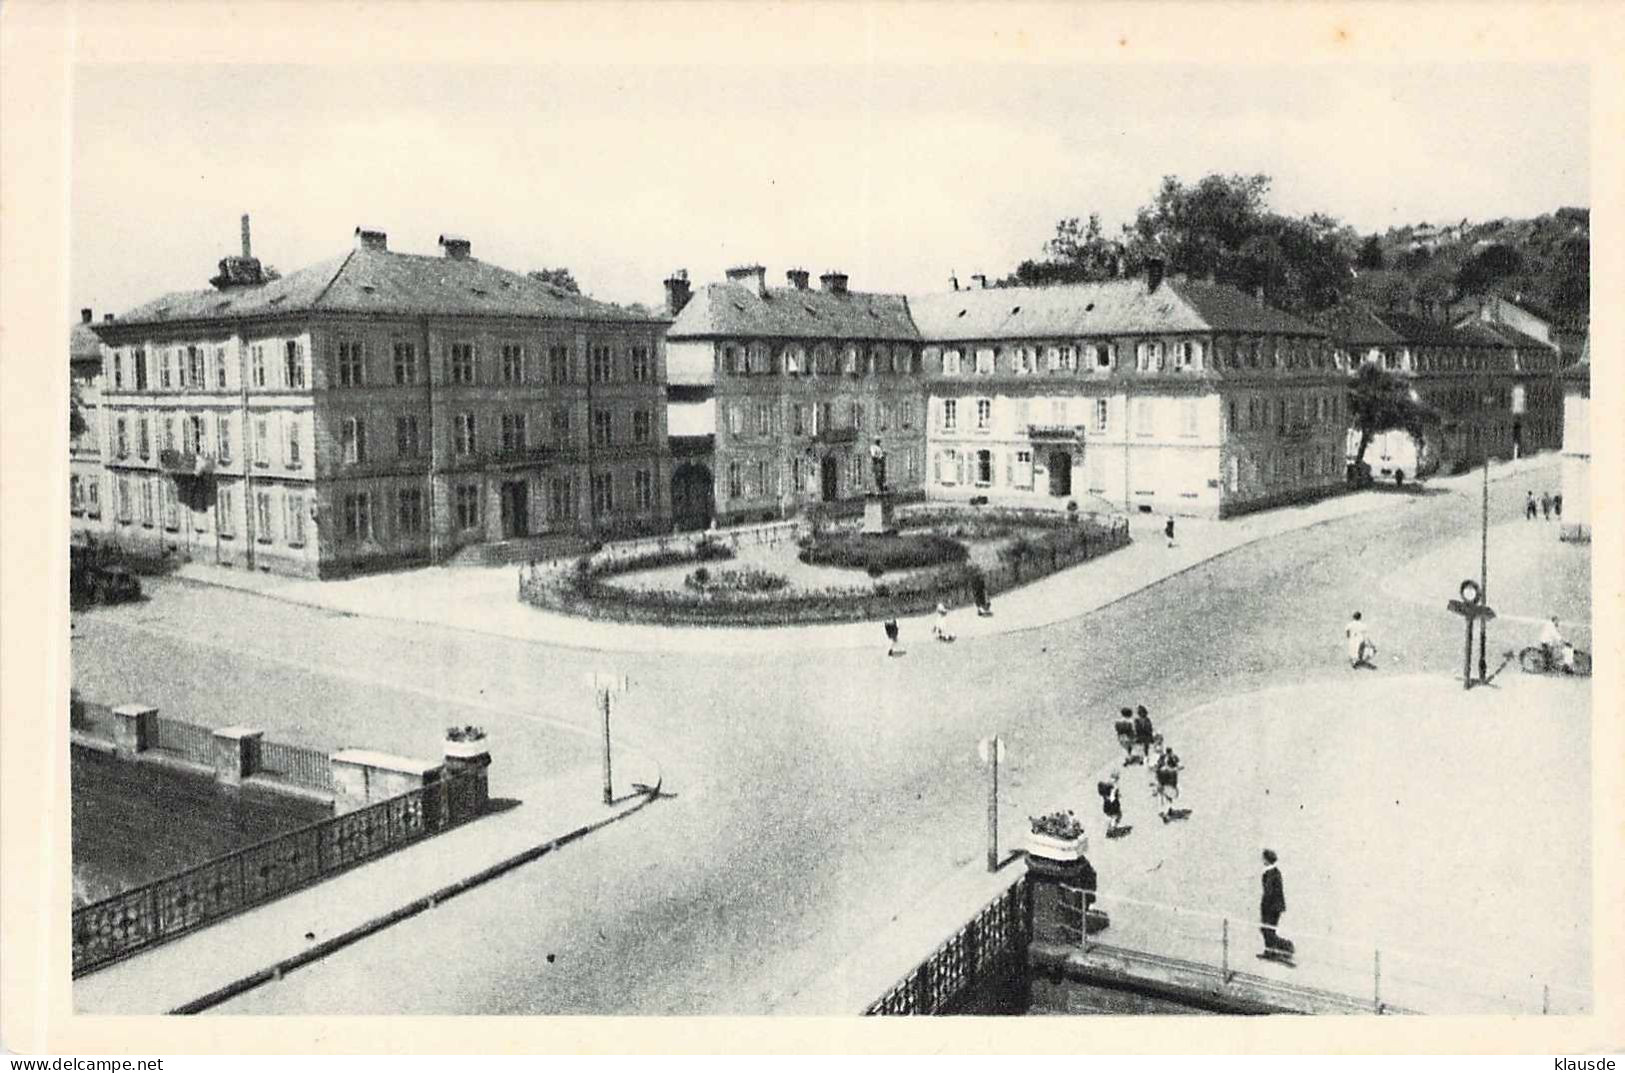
(691, 497)
(830, 472)
(1060, 473)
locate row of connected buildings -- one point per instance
(386, 408)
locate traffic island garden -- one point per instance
(814, 571)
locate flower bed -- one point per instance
(875, 551)
(587, 589)
(730, 582)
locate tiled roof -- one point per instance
(83, 344)
(1357, 326)
(381, 281)
(731, 309)
(1505, 335)
(1079, 309)
(1420, 330)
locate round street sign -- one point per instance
(1470, 592)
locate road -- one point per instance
(814, 793)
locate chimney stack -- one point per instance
(1153, 273)
(248, 250)
(751, 277)
(456, 247)
(833, 282)
(677, 291)
(368, 239)
(798, 278)
(86, 316)
(981, 281)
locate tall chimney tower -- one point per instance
(248, 250)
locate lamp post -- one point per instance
(1484, 567)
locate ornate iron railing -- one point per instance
(187, 740)
(291, 763)
(994, 937)
(124, 924)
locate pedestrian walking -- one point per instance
(1144, 734)
(939, 628)
(1111, 803)
(1360, 649)
(978, 591)
(1165, 784)
(1125, 733)
(1270, 908)
(1557, 505)
(1546, 506)
(1529, 505)
(1168, 530)
(891, 637)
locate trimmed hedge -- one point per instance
(870, 551)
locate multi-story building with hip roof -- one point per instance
(85, 472)
(778, 395)
(377, 409)
(1145, 394)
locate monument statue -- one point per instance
(877, 461)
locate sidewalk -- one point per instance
(1470, 878)
(165, 977)
(485, 600)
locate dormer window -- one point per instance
(951, 360)
(984, 361)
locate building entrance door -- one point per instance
(1060, 473)
(515, 509)
(831, 475)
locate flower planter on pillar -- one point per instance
(1054, 864)
(467, 766)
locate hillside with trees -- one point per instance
(1222, 227)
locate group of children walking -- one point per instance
(1550, 505)
(1139, 740)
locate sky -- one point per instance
(898, 175)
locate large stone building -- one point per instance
(778, 394)
(379, 408)
(1147, 394)
(1494, 387)
(85, 473)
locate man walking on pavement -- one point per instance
(1529, 505)
(1143, 734)
(1546, 506)
(1270, 908)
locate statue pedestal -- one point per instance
(877, 512)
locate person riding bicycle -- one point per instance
(1360, 648)
(1559, 652)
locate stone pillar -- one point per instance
(468, 766)
(236, 754)
(877, 512)
(136, 729)
(362, 777)
(1054, 911)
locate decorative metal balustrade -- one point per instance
(993, 939)
(292, 764)
(186, 740)
(124, 924)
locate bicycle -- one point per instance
(1535, 660)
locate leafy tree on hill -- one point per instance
(1487, 267)
(1371, 258)
(1381, 402)
(559, 277)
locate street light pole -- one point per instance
(1484, 562)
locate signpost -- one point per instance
(1472, 608)
(606, 685)
(991, 750)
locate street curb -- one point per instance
(379, 923)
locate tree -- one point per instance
(1571, 284)
(1380, 401)
(1371, 258)
(558, 277)
(1480, 272)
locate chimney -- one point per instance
(366, 239)
(248, 250)
(677, 291)
(86, 316)
(456, 247)
(981, 281)
(798, 278)
(954, 280)
(1153, 273)
(833, 282)
(751, 277)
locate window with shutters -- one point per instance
(948, 467)
(467, 506)
(643, 425)
(219, 366)
(984, 361)
(358, 517)
(603, 494)
(560, 425)
(143, 447)
(513, 363)
(121, 438)
(462, 364)
(984, 414)
(951, 363)
(409, 511)
(602, 428)
(352, 363)
(558, 364)
(643, 490)
(147, 497)
(1102, 413)
(293, 359)
(465, 434)
(262, 517)
(295, 455)
(196, 438)
(513, 433)
(172, 507)
(857, 414)
(603, 364)
(352, 439)
(984, 468)
(225, 513)
(885, 416)
(222, 438)
(906, 408)
(561, 498)
(1021, 474)
(166, 375)
(294, 519)
(406, 363)
(638, 364)
(406, 436)
(950, 414)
